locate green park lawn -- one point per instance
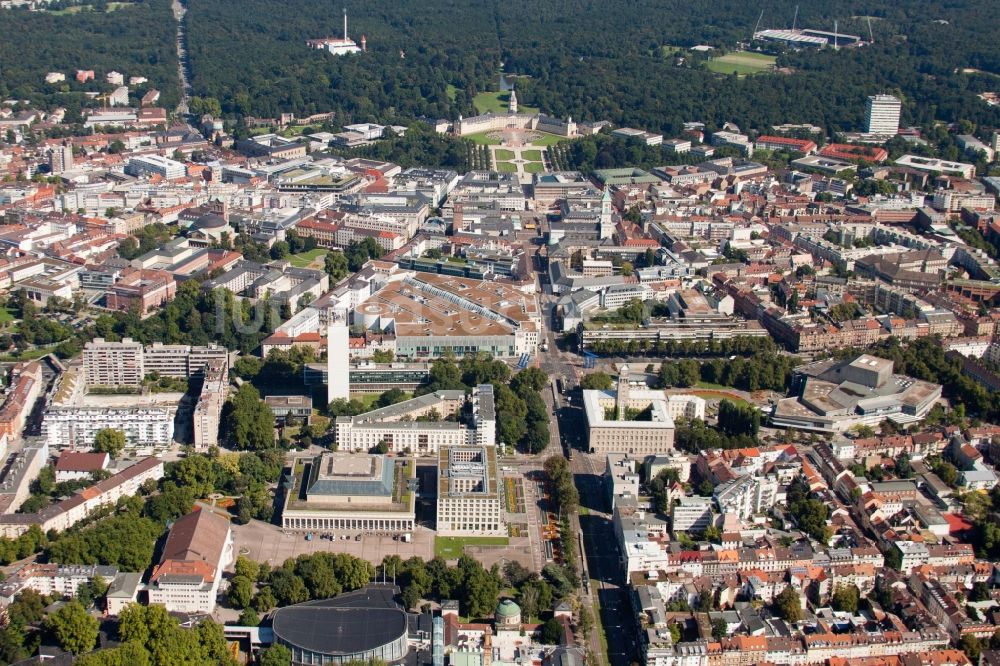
(6, 315)
(534, 167)
(507, 167)
(502, 154)
(303, 259)
(532, 155)
(483, 139)
(742, 63)
(451, 548)
(548, 140)
(497, 102)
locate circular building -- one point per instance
(355, 627)
(508, 614)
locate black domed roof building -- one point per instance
(211, 227)
(364, 625)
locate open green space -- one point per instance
(451, 548)
(452, 91)
(721, 394)
(28, 354)
(534, 167)
(484, 139)
(297, 130)
(710, 385)
(6, 315)
(497, 102)
(76, 9)
(548, 140)
(303, 259)
(507, 167)
(369, 399)
(502, 154)
(533, 155)
(742, 63)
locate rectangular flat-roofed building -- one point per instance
(469, 502)
(352, 491)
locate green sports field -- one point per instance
(451, 548)
(742, 63)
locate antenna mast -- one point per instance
(345, 24)
(796, 17)
(757, 27)
(835, 34)
(871, 37)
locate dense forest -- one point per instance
(136, 39)
(577, 58)
(430, 58)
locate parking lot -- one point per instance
(264, 542)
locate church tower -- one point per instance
(512, 105)
(607, 219)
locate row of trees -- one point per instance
(522, 416)
(810, 513)
(766, 370)
(738, 346)
(256, 588)
(150, 636)
(568, 500)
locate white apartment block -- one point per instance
(155, 165)
(127, 363)
(691, 514)
(113, 363)
(75, 427)
(208, 411)
(404, 226)
(397, 427)
(882, 114)
(469, 495)
(747, 495)
(61, 581)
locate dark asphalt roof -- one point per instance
(348, 624)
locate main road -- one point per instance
(604, 589)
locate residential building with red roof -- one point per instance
(198, 548)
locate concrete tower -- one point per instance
(345, 24)
(364, 43)
(622, 395)
(338, 380)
